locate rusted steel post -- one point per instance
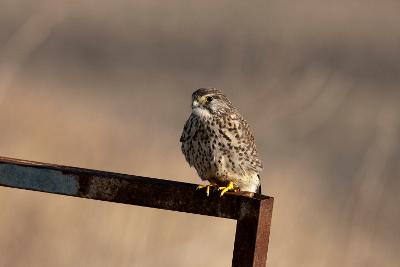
(253, 213)
(252, 236)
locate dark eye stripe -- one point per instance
(213, 96)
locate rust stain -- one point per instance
(104, 188)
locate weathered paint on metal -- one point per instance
(253, 212)
(51, 181)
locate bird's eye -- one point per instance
(209, 98)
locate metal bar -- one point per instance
(252, 212)
(252, 236)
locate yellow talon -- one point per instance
(226, 188)
(208, 186)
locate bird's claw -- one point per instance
(225, 189)
(208, 186)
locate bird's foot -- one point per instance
(225, 189)
(207, 186)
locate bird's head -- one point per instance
(207, 102)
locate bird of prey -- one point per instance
(217, 141)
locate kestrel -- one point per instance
(217, 141)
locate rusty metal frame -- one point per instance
(253, 213)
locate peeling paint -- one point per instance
(52, 181)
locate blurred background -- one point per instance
(107, 85)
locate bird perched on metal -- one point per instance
(217, 141)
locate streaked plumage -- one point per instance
(218, 143)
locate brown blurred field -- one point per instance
(107, 85)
